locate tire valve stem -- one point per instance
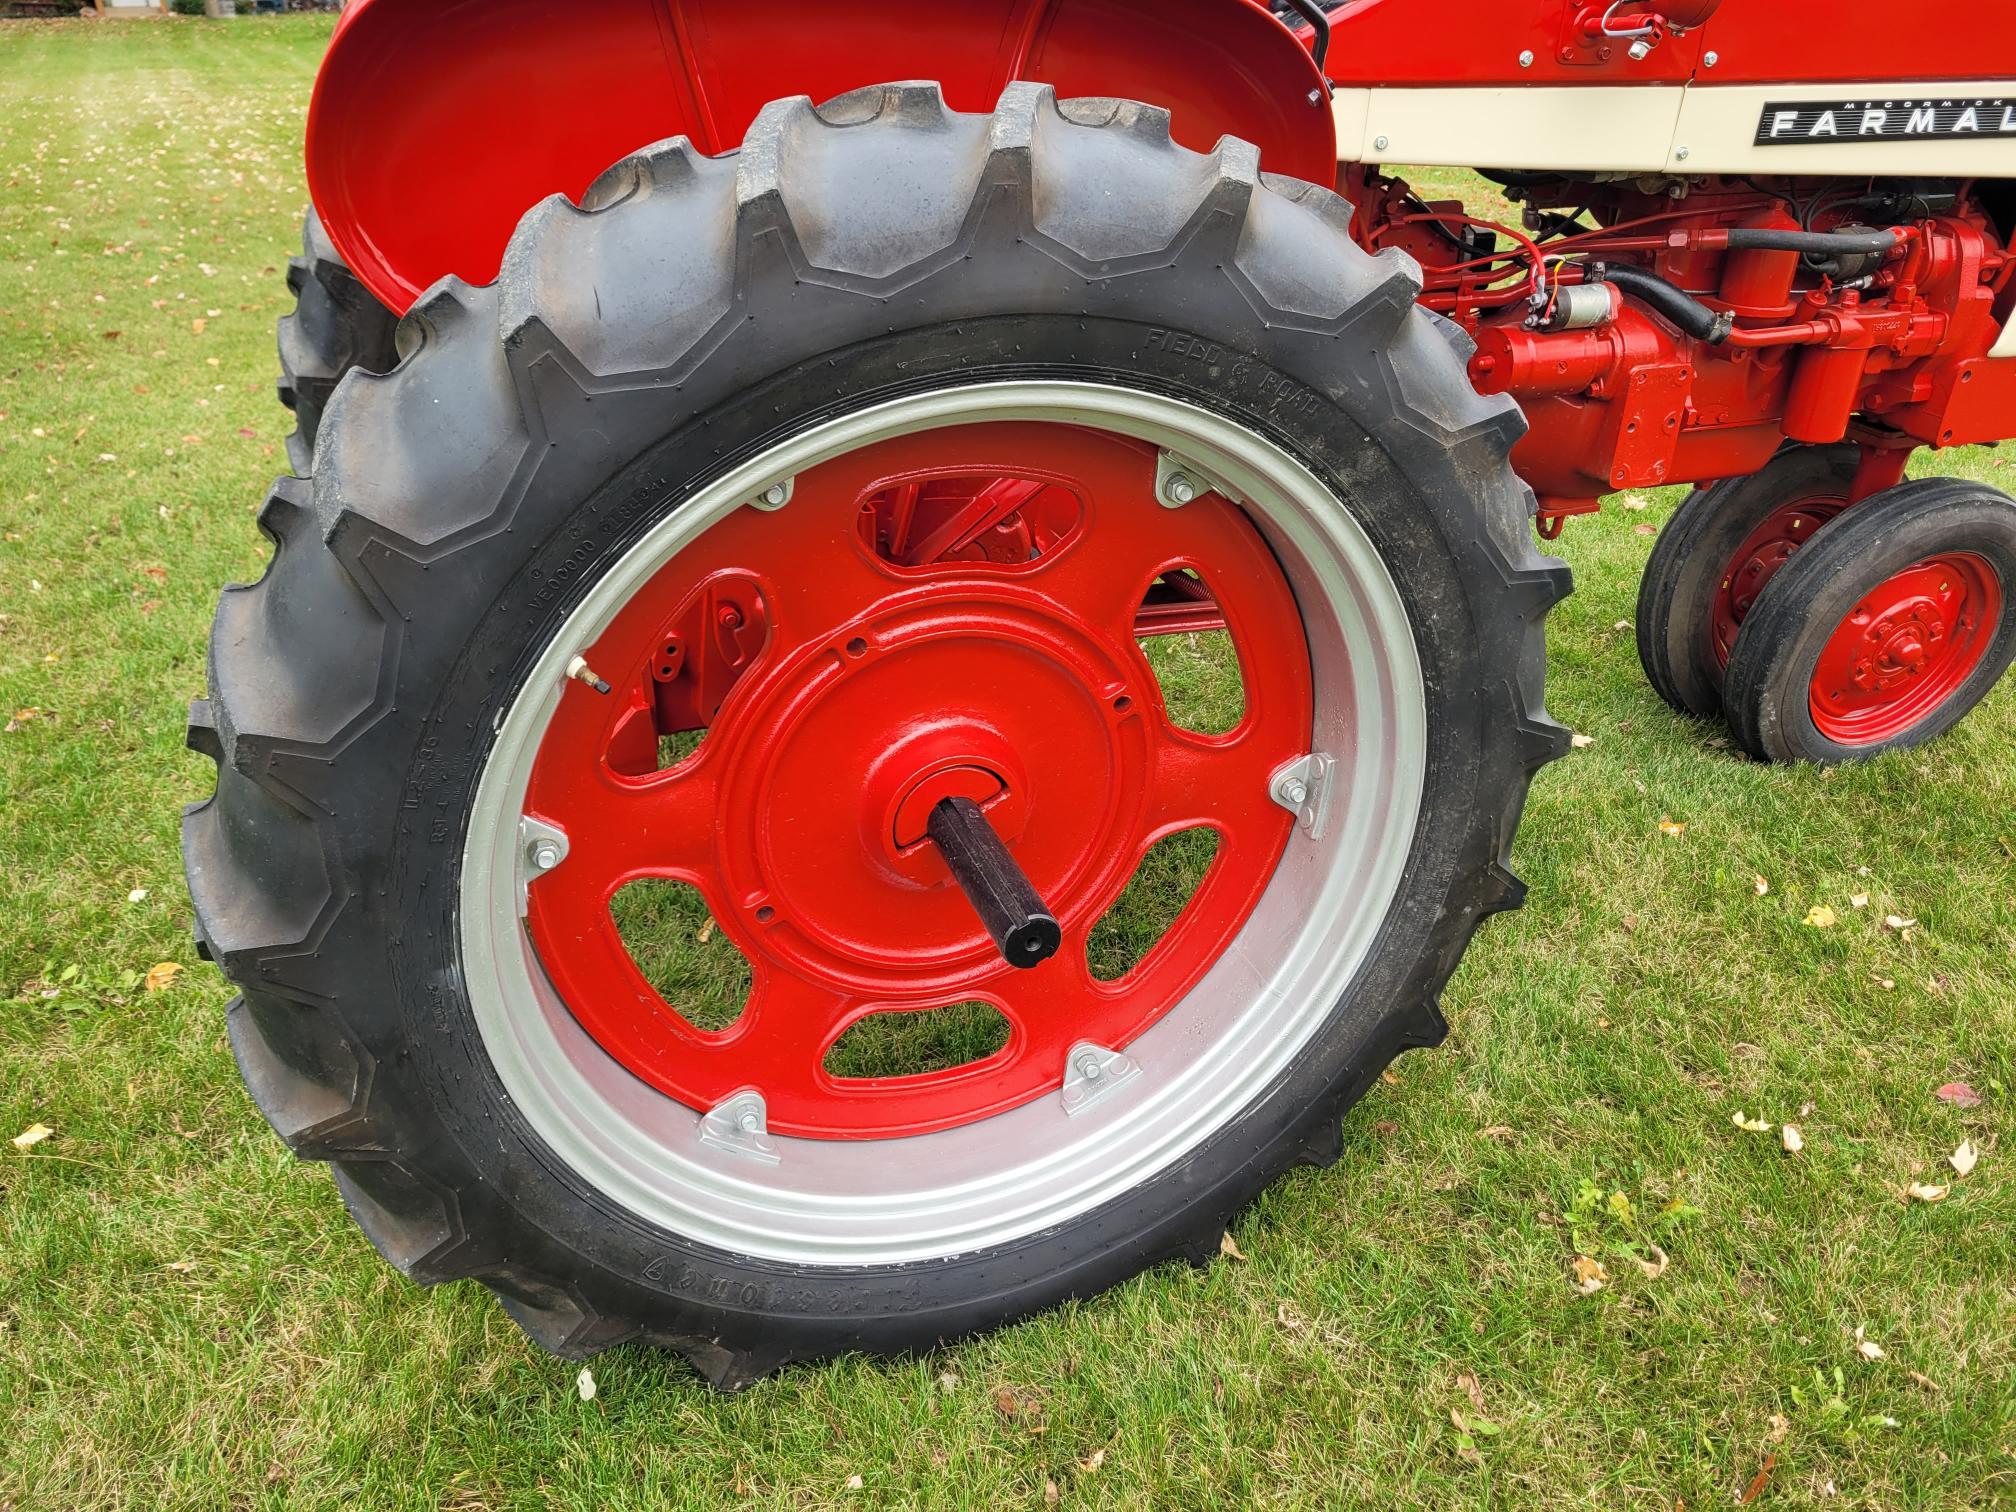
(581, 672)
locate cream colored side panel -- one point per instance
(1644, 128)
(2006, 347)
(1538, 127)
(1718, 133)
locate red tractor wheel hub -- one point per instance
(929, 618)
(1770, 546)
(1911, 644)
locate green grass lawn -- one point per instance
(188, 1318)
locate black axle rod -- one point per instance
(1021, 924)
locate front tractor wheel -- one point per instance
(1883, 634)
(1716, 555)
(879, 736)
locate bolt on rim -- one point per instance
(1300, 915)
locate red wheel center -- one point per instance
(1910, 644)
(1769, 547)
(930, 617)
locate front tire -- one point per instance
(710, 335)
(1885, 632)
(1715, 556)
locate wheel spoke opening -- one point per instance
(1192, 653)
(672, 936)
(697, 658)
(1156, 896)
(919, 1042)
(932, 520)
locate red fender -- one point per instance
(437, 124)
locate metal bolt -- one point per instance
(1296, 791)
(748, 1122)
(776, 494)
(1380, 144)
(546, 855)
(1681, 153)
(1640, 50)
(1526, 58)
(1179, 489)
(1089, 1068)
(1315, 97)
(1709, 60)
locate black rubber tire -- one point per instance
(1772, 669)
(337, 326)
(880, 245)
(1695, 550)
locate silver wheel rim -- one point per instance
(882, 1202)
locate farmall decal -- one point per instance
(1900, 120)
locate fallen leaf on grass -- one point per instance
(1750, 1125)
(1759, 1481)
(1473, 1389)
(1582, 742)
(1792, 1139)
(1763, 887)
(1959, 1094)
(1656, 1266)
(948, 1383)
(1498, 1131)
(1229, 1247)
(1964, 1159)
(855, 1483)
(33, 1135)
(1901, 926)
(1920, 1191)
(1780, 1426)
(162, 977)
(1290, 1319)
(1051, 1495)
(585, 1384)
(1820, 916)
(1590, 1276)
(1865, 1346)
(1859, 900)
(1020, 1407)
(1671, 829)
(1092, 1462)
(1919, 1378)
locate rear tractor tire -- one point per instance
(764, 507)
(337, 326)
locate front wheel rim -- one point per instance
(1911, 643)
(1251, 1010)
(1763, 554)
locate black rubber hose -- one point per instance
(1816, 243)
(1319, 22)
(1676, 304)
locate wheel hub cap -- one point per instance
(1910, 644)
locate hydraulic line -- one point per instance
(1676, 304)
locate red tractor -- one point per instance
(790, 510)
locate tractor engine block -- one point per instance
(1689, 338)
